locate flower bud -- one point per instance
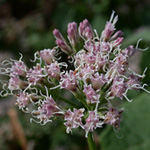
(117, 35)
(85, 30)
(109, 27)
(64, 47)
(72, 33)
(57, 35)
(118, 41)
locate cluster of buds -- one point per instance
(96, 71)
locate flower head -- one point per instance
(92, 122)
(74, 119)
(47, 55)
(113, 117)
(23, 99)
(18, 68)
(35, 75)
(46, 110)
(94, 68)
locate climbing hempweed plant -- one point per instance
(93, 68)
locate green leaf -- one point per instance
(135, 127)
(134, 37)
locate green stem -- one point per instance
(55, 94)
(91, 142)
(84, 103)
(67, 101)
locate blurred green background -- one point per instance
(26, 26)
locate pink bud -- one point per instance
(118, 41)
(64, 47)
(72, 33)
(109, 27)
(117, 35)
(85, 30)
(57, 35)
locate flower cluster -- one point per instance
(96, 71)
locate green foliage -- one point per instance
(142, 33)
(51, 135)
(131, 39)
(38, 41)
(135, 131)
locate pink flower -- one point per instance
(95, 72)
(68, 81)
(91, 58)
(113, 117)
(35, 75)
(92, 47)
(15, 83)
(98, 80)
(119, 87)
(74, 119)
(101, 61)
(86, 71)
(58, 35)
(80, 58)
(23, 99)
(18, 68)
(121, 63)
(46, 110)
(129, 51)
(47, 55)
(91, 95)
(92, 122)
(53, 70)
(134, 82)
(105, 47)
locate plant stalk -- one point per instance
(91, 142)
